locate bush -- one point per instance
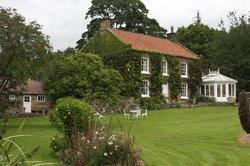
(71, 115)
(174, 104)
(101, 147)
(58, 143)
(206, 99)
(152, 103)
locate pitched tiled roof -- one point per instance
(153, 44)
(33, 87)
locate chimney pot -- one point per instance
(172, 29)
(105, 24)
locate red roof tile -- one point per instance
(153, 44)
(33, 87)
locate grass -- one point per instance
(188, 136)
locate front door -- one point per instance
(27, 104)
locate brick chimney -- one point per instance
(171, 36)
(105, 24)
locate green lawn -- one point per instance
(188, 136)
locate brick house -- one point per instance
(147, 45)
(29, 99)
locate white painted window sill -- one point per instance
(145, 96)
(182, 76)
(184, 98)
(145, 72)
(165, 74)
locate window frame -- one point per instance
(186, 69)
(40, 101)
(167, 90)
(186, 93)
(142, 65)
(164, 63)
(147, 89)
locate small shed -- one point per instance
(218, 86)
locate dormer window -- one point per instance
(184, 70)
(164, 68)
(145, 65)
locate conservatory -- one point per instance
(219, 87)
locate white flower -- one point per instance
(105, 154)
(82, 138)
(110, 143)
(101, 138)
(94, 147)
(96, 132)
(111, 153)
(88, 141)
(53, 138)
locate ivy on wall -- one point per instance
(118, 55)
(195, 78)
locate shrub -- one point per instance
(206, 99)
(58, 143)
(101, 147)
(244, 110)
(152, 103)
(174, 104)
(71, 115)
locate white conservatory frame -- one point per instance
(218, 86)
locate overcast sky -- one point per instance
(63, 20)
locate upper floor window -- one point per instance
(12, 97)
(184, 91)
(184, 70)
(145, 88)
(164, 68)
(145, 65)
(41, 98)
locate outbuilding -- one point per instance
(218, 86)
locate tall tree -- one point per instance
(23, 48)
(199, 38)
(231, 52)
(130, 15)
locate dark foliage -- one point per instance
(244, 110)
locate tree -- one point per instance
(231, 51)
(199, 38)
(23, 49)
(129, 15)
(83, 76)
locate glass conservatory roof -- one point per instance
(215, 76)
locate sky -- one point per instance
(64, 20)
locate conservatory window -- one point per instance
(211, 91)
(145, 88)
(218, 91)
(184, 70)
(145, 65)
(223, 90)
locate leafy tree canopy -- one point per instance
(129, 15)
(231, 51)
(199, 38)
(23, 49)
(83, 76)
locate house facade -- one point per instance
(29, 99)
(164, 65)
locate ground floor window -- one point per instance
(41, 98)
(184, 91)
(165, 90)
(145, 88)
